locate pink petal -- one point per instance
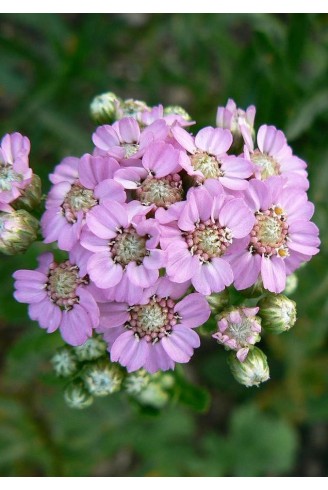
(103, 271)
(273, 273)
(212, 277)
(75, 326)
(238, 217)
(214, 141)
(193, 310)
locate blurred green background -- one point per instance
(51, 66)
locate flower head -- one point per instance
(58, 297)
(18, 230)
(238, 329)
(156, 332)
(15, 173)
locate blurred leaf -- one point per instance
(306, 113)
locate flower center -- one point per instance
(130, 149)
(269, 234)
(241, 332)
(154, 320)
(267, 165)
(208, 240)
(8, 176)
(128, 247)
(207, 164)
(161, 192)
(63, 280)
(77, 199)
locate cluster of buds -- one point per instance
(89, 375)
(160, 225)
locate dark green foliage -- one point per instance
(51, 68)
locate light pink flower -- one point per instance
(274, 157)
(282, 238)
(235, 119)
(208, 158)
(124, 139)
(238, 329)
(157, 182)
(59, 297)
(124, 245)
(89, 181)
(198, 236)
(15, 173)
(156, 332)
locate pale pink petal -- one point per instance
(103, 271)
(75, 327)
(193, 310)
(273, 273)
(237, 217)
(215, 141)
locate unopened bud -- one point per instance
(278, 313)
(253, 371)
(18, 230)
(238, 330)
(103, 108)
(131, 108)
(76, 396)
(177, 110)
(291, 284)
(91, 350)
(136, 382)
(102, 378)
(64, 362)
(30, 196)
(154, 395)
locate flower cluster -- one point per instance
(156, 219)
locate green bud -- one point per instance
(218, 301)
(91, 350)
(30, 196)
(253, 371)
(178, 110)
(76, 396)
(18, 230)
(291, 284)
(102, 378)
(103, 108)
(136, 382)
(131, 108)
(278, 313)
(64, 362)
(153, 395)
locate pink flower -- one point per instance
(156, 332)
(238, 329)
(124, 139)
(208, 157)
(59, 297)
(200, 232)
(237, 120)
(274, 157)
(88, 182)
(157, 182)
(157, 113)
(124, 246)
(281, 239)
(15, 173)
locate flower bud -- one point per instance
(102, 378)
(218, 301)
(136, 382)
(18, 230)
(253, 371)
(177, 110)
(153, 395)
(278, 313)
(64, 362)
(30, 196)
(238, 329)
(291, 284)
(103, 108)
(91, 350)
(76, 396)
(131, 108)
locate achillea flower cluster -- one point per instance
(154, 220)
